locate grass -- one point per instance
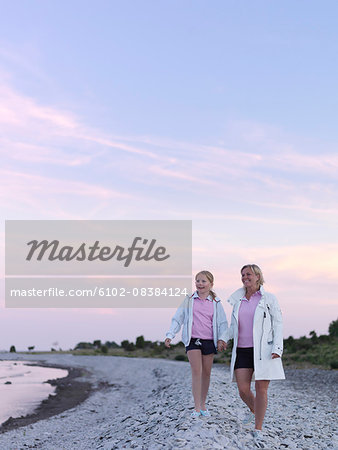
(318, 354)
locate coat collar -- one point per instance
(195, 295)
(236, 296)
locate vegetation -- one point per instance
(333, 328)
(316, 350)
(321, 351)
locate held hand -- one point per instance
(274, 356)
(221, 345)
(167, 342)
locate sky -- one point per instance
(223, 113)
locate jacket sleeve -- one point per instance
(230, 334)
(233, 300)
(277, 326)
(222, 323)
(178, 319)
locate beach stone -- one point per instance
(153, 412)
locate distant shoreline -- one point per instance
(69, 393)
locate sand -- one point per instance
(146, 404)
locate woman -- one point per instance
(204, 328)
(256, 327)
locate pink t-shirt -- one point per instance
(245, 320)
(203, 312)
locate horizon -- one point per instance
(103, 342)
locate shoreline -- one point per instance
(69, 393)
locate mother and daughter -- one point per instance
(256, 329)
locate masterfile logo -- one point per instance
(97, 263)
(141, 251)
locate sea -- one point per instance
(23, 387)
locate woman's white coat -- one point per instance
(267, 335)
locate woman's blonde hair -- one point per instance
(209, 276)
(257, 271)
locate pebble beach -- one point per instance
(146, 404)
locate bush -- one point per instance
(104, 349)
(156, 350)
(140, 342)
(219, 361)
(178, 345)
(181, 358)
(333, 328)
(313, 359)
(289, 344)
(125, 344)
(12, 349)
(229, 347)
(303, 344)
(324, 338)
(97, 343)
(130, 347)
(83, 346)
(111, 344)
(334, 364)
(314, 337)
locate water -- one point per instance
(27, 388)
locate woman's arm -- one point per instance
(277, 326)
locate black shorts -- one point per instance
(244, 358)
(206, 346)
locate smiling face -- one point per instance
(249, 279)
(203, 285)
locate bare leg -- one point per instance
(243, 379)
(261, 402)
(195, 359)
(207, 361)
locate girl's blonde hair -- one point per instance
(209, 276)
(257, 271)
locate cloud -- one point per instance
(24, 115)
(39, 139)
(43, 196)
(179, 175)
(24, 57)
(23, 111)
(22, 151)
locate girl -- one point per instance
(204, 328)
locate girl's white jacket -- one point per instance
(267, 335)
(184, 316)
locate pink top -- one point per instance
(245, 320)
(203, 312)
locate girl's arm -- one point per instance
(178, 319)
